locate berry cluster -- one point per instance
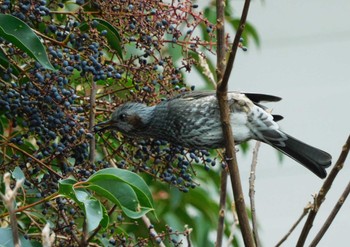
(169, 163)
(47, 117)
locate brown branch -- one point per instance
(220, 32)
(66, 220)
(42, 164)
(152, 231)
(323, 192)
(222, 87)
(228, 134)
(221, 220)
(252, 193)
(304, 213)
(331, 217)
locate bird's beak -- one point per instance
(106, 125)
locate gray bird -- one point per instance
(192, 120)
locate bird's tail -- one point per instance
(312, 158)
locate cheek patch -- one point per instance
(135, 121)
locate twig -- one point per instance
(221, 220)
(220, 33)
(92, 121)
(252, 193)
(9, 200)
(331, 217)
(47, 238)
(234, 225)
(228, 134)
(42, 164)
(152, 231)
(188, 234)
(303, 214)
(323, 192)
(66, 220)
(84, 236)
(223, 84)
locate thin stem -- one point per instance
(323, 192)
(331, 217)
(221, 220)
(304, 213)
(153, 232)
(223, 84)
(35, 159)
(92, 121)
(252, 193)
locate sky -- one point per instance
(304, 57)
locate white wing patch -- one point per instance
(264, 128)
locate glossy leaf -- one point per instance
(124, 188)
(93, 209)
(21, 35)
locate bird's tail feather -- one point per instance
(312, 158)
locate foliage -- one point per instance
(65, 64)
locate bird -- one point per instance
(192, 120)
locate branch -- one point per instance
(9, 201)
(92, 121)
(221, 220)
(152, 231)
(233, 226)
(220, 33)
(228, 134)
(304, 213)
(252, 192)
(331, 216)
(323, 192)
(222, 87)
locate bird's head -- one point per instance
(130, 118)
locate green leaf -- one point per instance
(120, 193)
(18, 173)
(112, 35)
(3, 59)
(21, 35)
(124, 188)
(66, 188)
(6, 238)
(93, 209)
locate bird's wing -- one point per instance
(255, 97)
(194, 95)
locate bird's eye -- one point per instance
(122, 116)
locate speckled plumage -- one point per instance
(193, 120)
